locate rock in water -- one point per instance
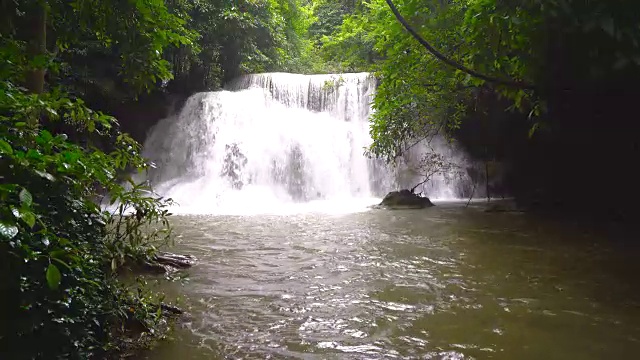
(404, 199)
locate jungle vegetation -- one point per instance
(545, 87)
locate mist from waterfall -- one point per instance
(278, 141)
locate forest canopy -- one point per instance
(568, 72)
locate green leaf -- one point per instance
(62, 263)
(5, 147)
(25, 198)
(53, 277)
(34, 154)
(45, 175)
(533, 129)
(44, 137)
(8, 231)
(29, 218)
(52, 112)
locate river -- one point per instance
(448, 282)
(322, 277)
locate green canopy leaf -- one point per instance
(25, 198)
(53, 277)
(5, 147)
(29, 218)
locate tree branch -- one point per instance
(420, 183)
(426, 127)
(450, 62)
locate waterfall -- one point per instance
(271, 140)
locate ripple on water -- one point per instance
(375, 286)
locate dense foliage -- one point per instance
(70, 214)
(567, 73)
(239, 37)
(60, 247)
(575, 63)
(518, 41)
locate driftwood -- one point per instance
(167, 262)
(175, 260)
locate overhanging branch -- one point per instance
(450, 62)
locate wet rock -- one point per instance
(170, 310)
(404, 199)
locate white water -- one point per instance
(274, 143)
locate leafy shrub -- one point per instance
(59, 248)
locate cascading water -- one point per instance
(273, 139)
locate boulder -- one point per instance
(404, 199)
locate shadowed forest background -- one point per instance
(553, 118)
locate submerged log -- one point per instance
(175, 260)
(168, 262)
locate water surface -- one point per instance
(447, 282)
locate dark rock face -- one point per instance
(504, 206)
(404, 199)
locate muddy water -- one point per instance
(443, 283)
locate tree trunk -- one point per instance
(7, 9)
(37, 48)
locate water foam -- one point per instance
(273, 143)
